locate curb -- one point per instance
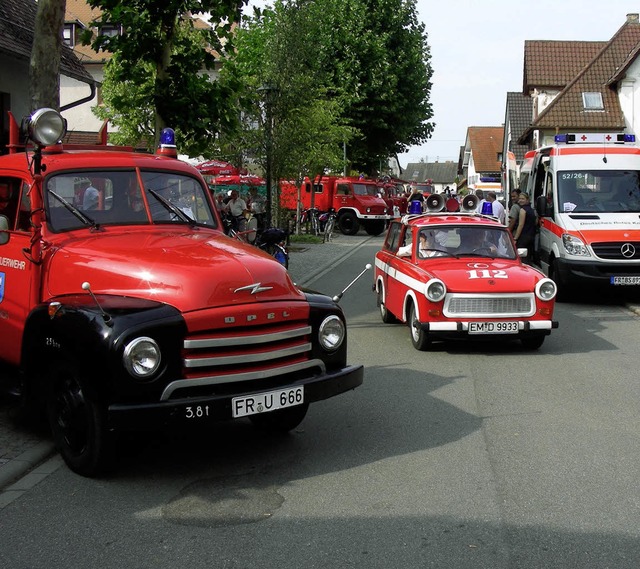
(17, 467)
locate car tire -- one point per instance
(280, 421)
(419, 338)
(533, 342)
(348, 223)
(386, 316)
(78, 424)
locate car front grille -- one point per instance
(619, 250)
(489, 305)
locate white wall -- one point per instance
(80, 118)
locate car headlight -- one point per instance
(435, 290)
(575, 246)
(331, 333)
(141, 357)
(546, 289)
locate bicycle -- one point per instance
(329, 220)
(309, 217)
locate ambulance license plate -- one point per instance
(621, 281)
(493, 327)
(267, 401)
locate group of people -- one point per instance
(237, 209)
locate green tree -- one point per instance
(161, 71)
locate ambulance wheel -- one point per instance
(280, 421)
(374, 228)
(386, 316)
(78, 424)
(554, 275)
(419, 338)
(348, 223)
(533, 342)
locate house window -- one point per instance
(110, 30)
(68, 35)
(592, 101)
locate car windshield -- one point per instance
(96, 198)
(465, 241)
(603, 191)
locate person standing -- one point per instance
(514, 211)
(236, 208)
(527, 226)
(257, 205)
(497, 208)
(481, 200)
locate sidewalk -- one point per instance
(23, 448)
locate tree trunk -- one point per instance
(44, 70)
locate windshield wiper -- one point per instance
(75, 211)
(172, 208)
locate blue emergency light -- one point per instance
(168, 138)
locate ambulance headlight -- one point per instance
(46, 127)
(141, 357)
(435, 290)
(331, 333)
(546, 289)
(574, 246)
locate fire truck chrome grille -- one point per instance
(252, 356)
(489, 305)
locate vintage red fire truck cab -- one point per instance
(355, 200)
(124, 306)
(459, 276)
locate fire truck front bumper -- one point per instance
(233, 405)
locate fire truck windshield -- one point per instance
(116, 198)
(604, 191)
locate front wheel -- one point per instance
(419, 338)
(554, 275)
(348, 223)
(78, 424)
(374, 228)
(280, 421)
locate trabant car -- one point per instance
(460, 276)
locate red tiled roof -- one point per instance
(486, 144)
(567, 109)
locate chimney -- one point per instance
(632, 19)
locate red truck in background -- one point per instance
(356, 202)
(124, 306)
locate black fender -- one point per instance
(94, 338)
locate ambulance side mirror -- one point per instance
(542, 207)
(4, 230)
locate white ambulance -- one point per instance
(586, 191)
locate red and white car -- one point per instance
(460, 276)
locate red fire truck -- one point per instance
(356, 201)
(124, 306)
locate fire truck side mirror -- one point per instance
(4, 230)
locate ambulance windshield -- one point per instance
(599, 191)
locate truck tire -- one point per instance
(374, 228)
(348, 223)
(419, 338)
(78, 424)
(280, 421)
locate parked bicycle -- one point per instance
(273, 240)
(310, 218)
(328, 219)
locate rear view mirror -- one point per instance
(4, 230)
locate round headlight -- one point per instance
(47, 127)
(141, 357)
(331, 333)
(546, 289)
(435, 290)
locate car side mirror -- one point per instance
(4, 230)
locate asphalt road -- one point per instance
(467, 456)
